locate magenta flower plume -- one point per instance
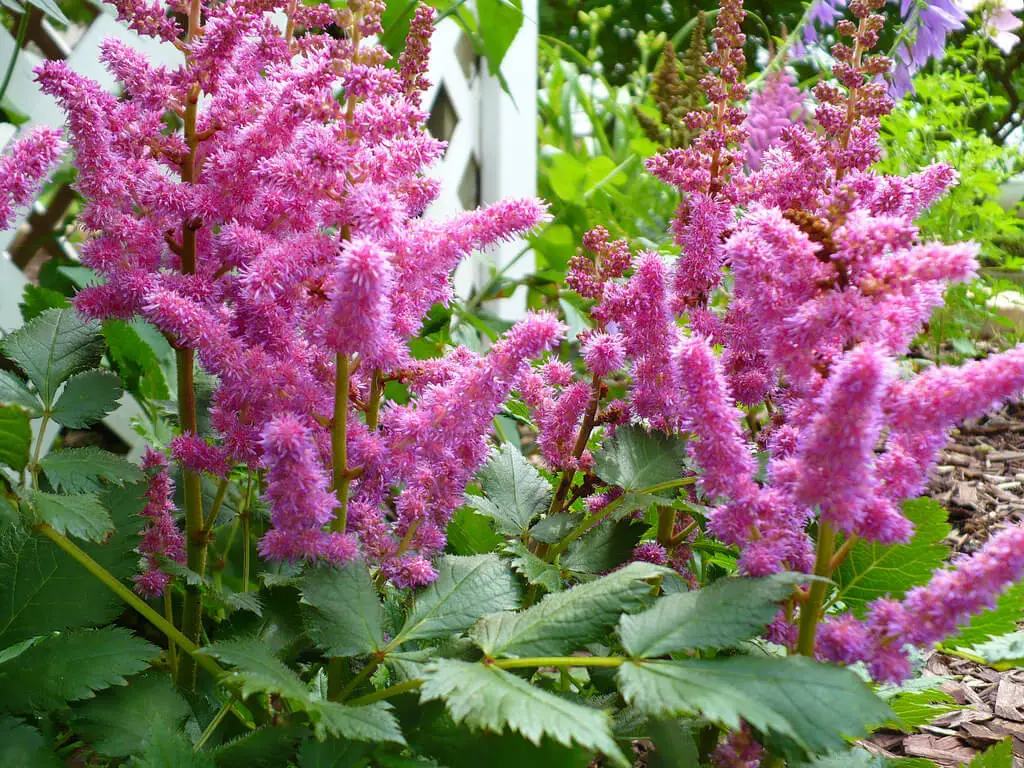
(161, 537)
(719, 449)
(301, 503)
(928, 613)
(836, 452)
(772, 109)
(24, 167)
(360, 313)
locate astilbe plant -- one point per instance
(261, 206)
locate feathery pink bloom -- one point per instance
(161, 536)
(24, 167)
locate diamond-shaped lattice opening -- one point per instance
(467, 56)
(443, 117)
(469, 185)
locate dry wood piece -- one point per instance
(1010, 700)
(944, 750)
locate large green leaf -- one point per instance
(22, 746)
(87, 398)
(257, 669)
(53, 347)
(82, 515)
(168, 747)
(604, 547)
(1008, 647)
(15, 437)
(344, 617)
(466, 589)
(515, 492)
(51, 9)
(120, 721)
(268, 747)
(816, 705)
(81, 470)
(71, 666)
(374, 722)
(874, 570)
(997, 756)
(636, 459)
(532, 568)
(492, 699)
(992, 623)
(563, 621)
(42, 589)
(728, 612)
(141, 355)
(500, 21)
(14, 392)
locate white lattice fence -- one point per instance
(491, 142)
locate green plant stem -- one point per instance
(386, 693)
(373, 407)
(559, 661)
(34, 466)
(666, 525)
(131, 599)
(195, 530)
(810, 610)
(246, 546)
(208, 731)
(339, 441)
(772, 760)
(172, 653)
(22, 32)
(218, 502)
(364, 674)
(603, 514)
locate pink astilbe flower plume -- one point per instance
(301, 502)
(23, 169)
(161, 536)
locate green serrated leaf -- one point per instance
(515, 492)
(563, 621)
(14, 392)
(22, 745)
(553, 529)
(257, 669)
(71, 666)
(84, 470)
(35, 299)
(874, 570)
(722, 615)
(998, 621)
(532, 568)
(997, 756)
(15, 437)
(141, 355)
(916, 708)
(332, 753)
(814, 704)
(471, 534)
(42, 589)
(87, 398)
(1009, 647)
(604, 547)
(636, 459)
(53, 347)
(119, 721)
(267, 747)
(491, 699)
(167, 747)
(344, 617)
(466, 589)
(82, 515)
(373, 722)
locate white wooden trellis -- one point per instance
(491, 139)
